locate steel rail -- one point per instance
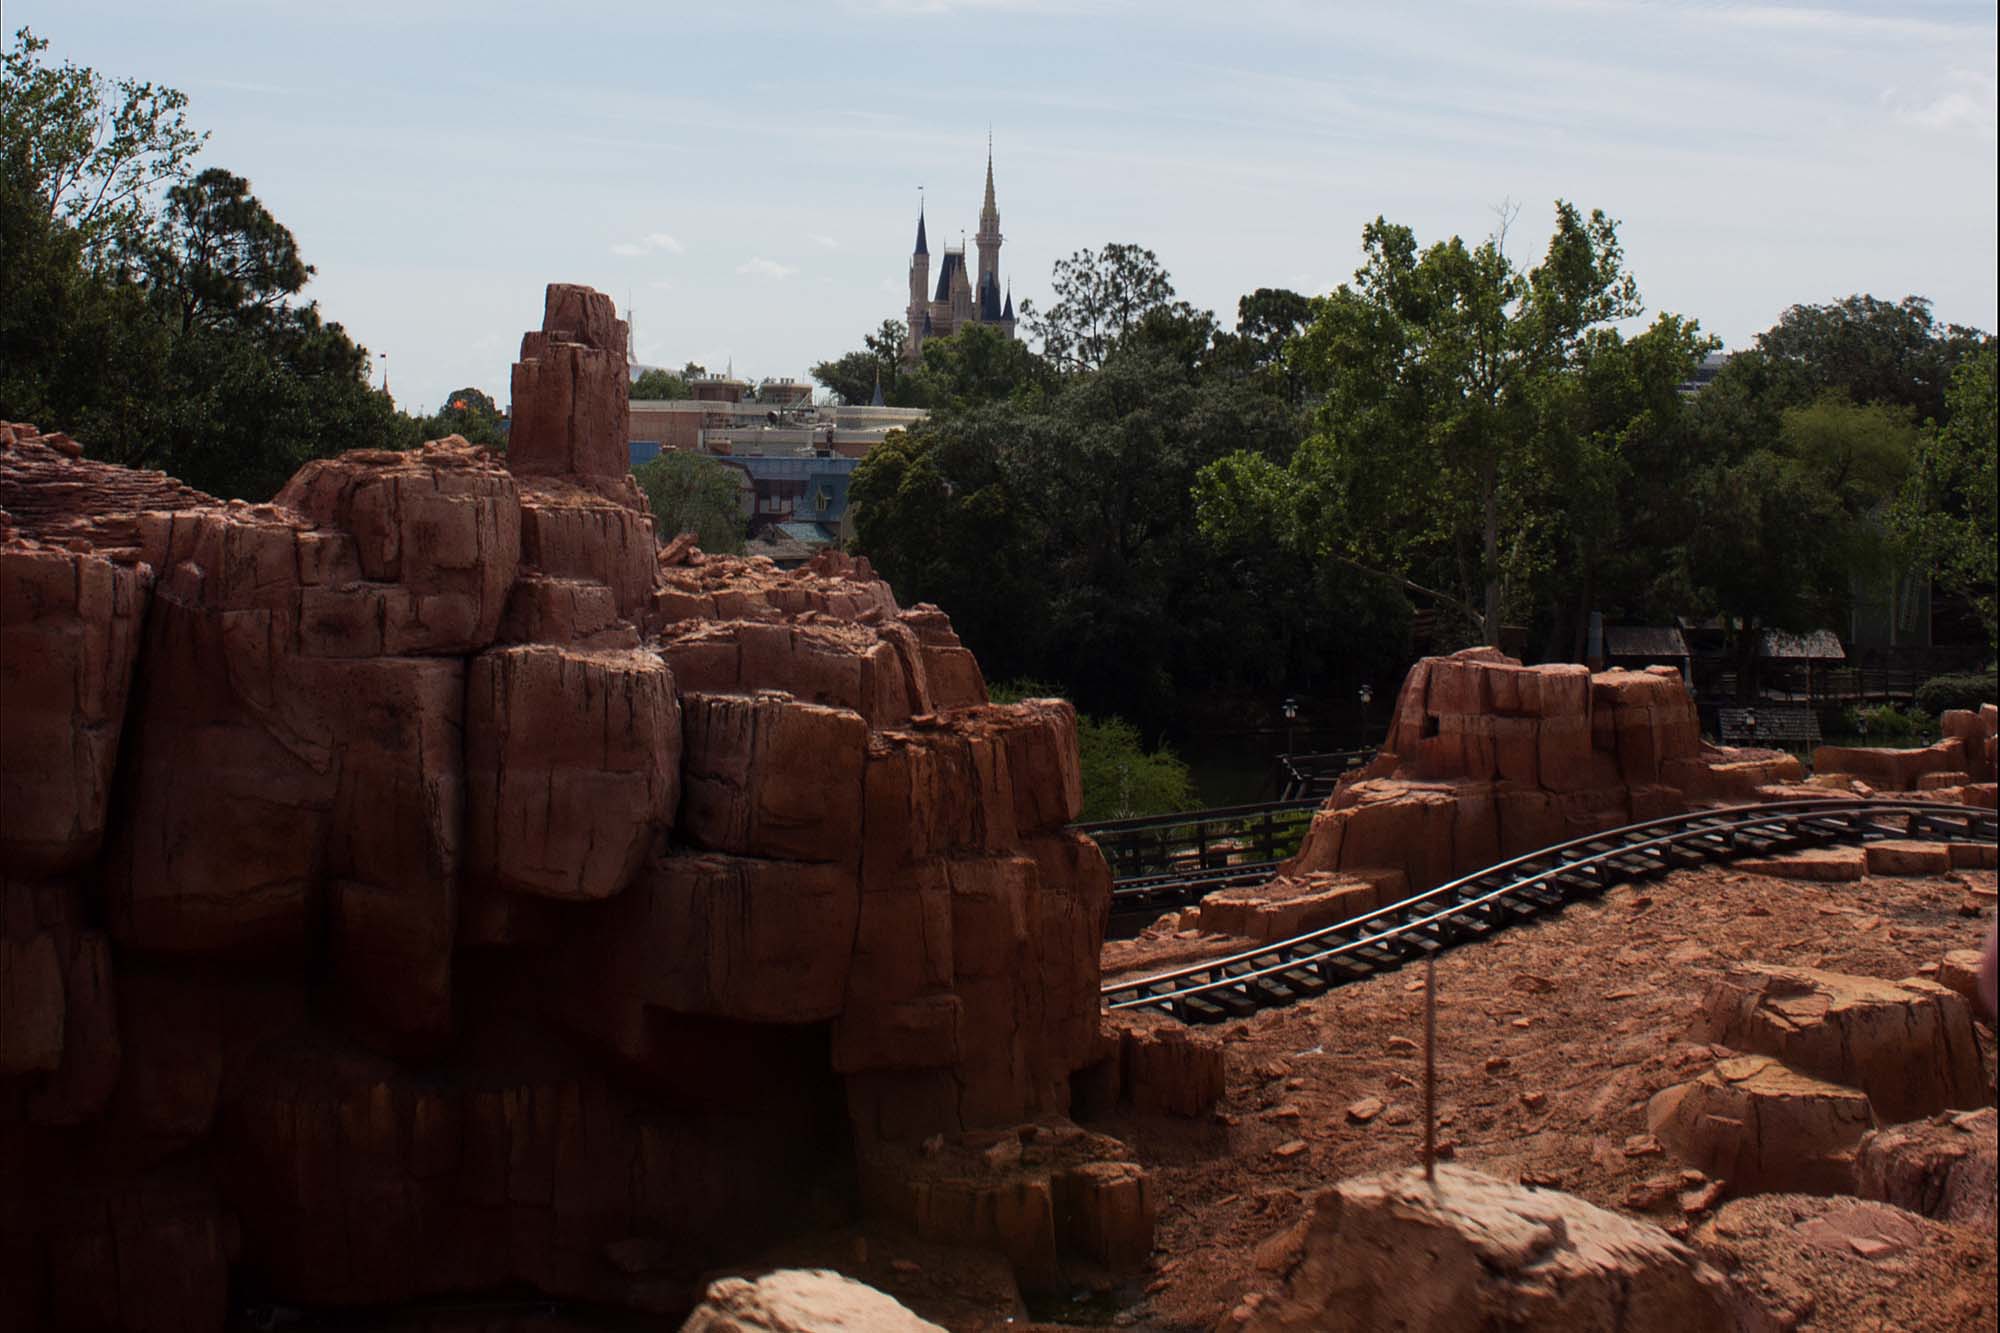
(1476, 905)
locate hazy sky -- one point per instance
(745, 175)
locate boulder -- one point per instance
(1164, 1067)
(1824, 865)
(1907, 1044)
(1943, 1168)
(1054, 1198)
(1469, 1252)
(1891, 770)
(1846, 1266)
(1759, 1126)
(794, 1300)
(69, 634)
(1958, 971)
(573, 768)
(1908, 857)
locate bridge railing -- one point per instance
(1197, 841)
(1301, 776)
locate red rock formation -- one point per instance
(419, 884)
(1487, 759)
(1964, 758)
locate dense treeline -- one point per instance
(1152, 505)
(154, 310)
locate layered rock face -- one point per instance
(422, 884)
(1959, 768)
(1487, 759)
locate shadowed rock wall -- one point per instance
(423, 884)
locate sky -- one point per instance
(743, 178)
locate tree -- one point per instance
(1100, 296)
(218, 256)
(469, 413)
(92, 150)
(978, 364)
(1947, 509)
(692, 493)
(1435, 369)
(659, 385)
(852, 378)
(1872, 351)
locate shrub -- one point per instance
(1886, 723)
(1122, 779)
(1939, 693)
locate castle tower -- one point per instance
(920, 283)
(988, 240)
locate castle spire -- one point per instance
(923, 247)
(989, 212)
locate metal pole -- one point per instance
(1430, 1064)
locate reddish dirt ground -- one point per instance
(1552, 1037)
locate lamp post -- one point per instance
(1290, 708)
(1861, 721)
(1750, 722)
(1367, 696)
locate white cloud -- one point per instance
(652, 242)
(1965, 101)
(825, 242)
(766, 268)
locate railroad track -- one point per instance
(1523, 889)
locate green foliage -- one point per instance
(693, 493)
(160, 328)
(1886, 724)
(469, 413)
(852, 378)
(90, 151)
(1871, 351)
(976, 365)
(660, 385)
(1457, 450)
(1946, 513)
(1122, 779)
(1056, 525)
(1941, 693)
(1101, 295)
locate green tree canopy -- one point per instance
(660, 385)
(693, 493)
(1437, 371)
(1947, 509)
(151, 313)
(1100, 296)
(470, 413)
(852, 378)
(978, 364)
(1870, 350)
(91, 151)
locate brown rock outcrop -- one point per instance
(1844, 1266)
(1049, 1196)
(1907, 1044)
(801, 1301)
(1487, 759)
(1469, 1252)
(421, 884)
(1944, 1168)
(1759, 1126)
(1963, 758)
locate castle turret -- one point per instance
(916, 317)
(988, 237)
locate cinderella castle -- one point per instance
(960, 298)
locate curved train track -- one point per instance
(1479, 905)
